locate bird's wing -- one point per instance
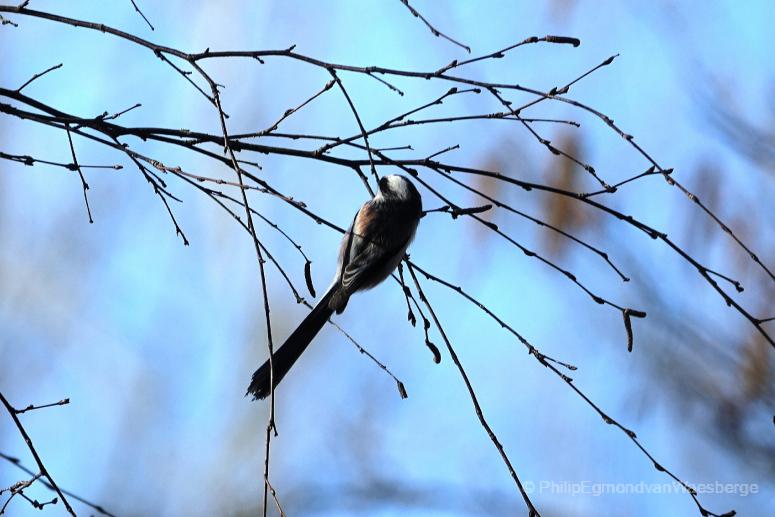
(362, 268)
(364, 259)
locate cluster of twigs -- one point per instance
(233, 151)
(42, 474)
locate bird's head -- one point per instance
(398, 188)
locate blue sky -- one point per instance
(154, 342)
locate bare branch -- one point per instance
(84, 185)
(33, 408)
(331, 149)
(364, 134)
(472, 394)
(13, 413)
(141, 14)
(16, 462)
(41, 74)
(433, 30)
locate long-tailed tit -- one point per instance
(370, 250)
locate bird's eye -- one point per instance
(383, 183)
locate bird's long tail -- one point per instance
(284, 357)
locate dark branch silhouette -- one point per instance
(230, 150)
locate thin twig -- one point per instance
(364, 134)
(500, 204)
(141, 14)
(12, 412)
(16, 462)
(472, 394)
(289, 112)
(532, 350)
(42, 406)
(433, 29)
(257, 247)
(28, 160)
(36, 76)
(84, 185)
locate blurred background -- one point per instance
(154, 342)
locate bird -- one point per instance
(371, 249)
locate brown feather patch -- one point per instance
(363, 220)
